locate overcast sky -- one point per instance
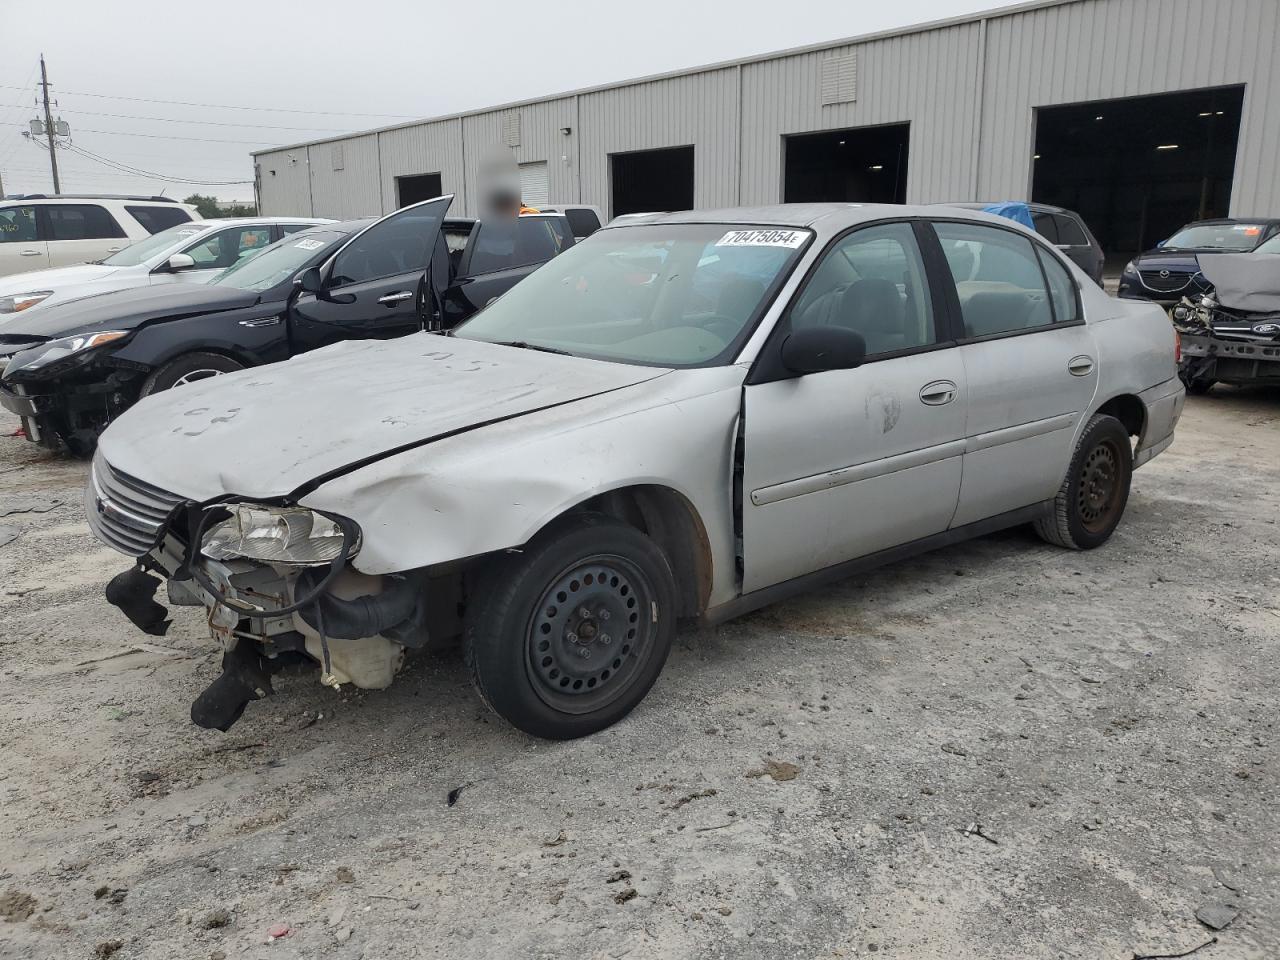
(329, 66)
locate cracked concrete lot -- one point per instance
(1001, 750)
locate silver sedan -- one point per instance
(686, 416)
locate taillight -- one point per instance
(1177, 347)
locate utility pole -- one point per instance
(48, 126)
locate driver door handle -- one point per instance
(937, 393)
(30, 253)
(400, 296)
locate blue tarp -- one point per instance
(1012, 210)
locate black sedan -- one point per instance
(1172, 271)
(78, 365)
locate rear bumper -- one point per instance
(1163, 404)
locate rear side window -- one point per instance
(81, 221)
(1062, 289)
(583, 223)
(998, 279)
(155, 219)
(17, 224)
(1070, 232)
(506, 244)
(1046, 226)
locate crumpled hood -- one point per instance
(126, 309)
(55, 278)
(267, 431)
(1248, 282)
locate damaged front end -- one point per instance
(66, 391)
(1221, 345)
(275, 583)
(1232, 333)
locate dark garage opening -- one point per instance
(419, 187)
(1139, 168)
(858, 165)
(649, 181)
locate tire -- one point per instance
(525, 634)
(1092, 498)
(186, 369)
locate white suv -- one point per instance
(193, 252)
(58, 230)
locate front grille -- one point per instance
(124, 512)
(1173, 283)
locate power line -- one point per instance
(208, 123)
(161, 136)
(229, 106)
(138, 172)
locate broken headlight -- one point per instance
(291, 535)
(21, 301)
(55, 356)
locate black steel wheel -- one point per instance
(567, 636)
(1092, 498)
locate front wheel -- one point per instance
(188, 368)
(1094, 492)
(565, 637)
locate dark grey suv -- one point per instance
(1066, 230)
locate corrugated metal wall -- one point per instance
(699, 109)
(968, 89)
(422, 148)
(1104, 49)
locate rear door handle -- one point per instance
(1080, 366)
(937, 393)
(30, 253)
(114, 249)
(400, 296)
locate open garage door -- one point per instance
(857, 165)
(1139, 168)
(416, 188)
(648, 181)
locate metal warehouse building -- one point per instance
(1140, 114)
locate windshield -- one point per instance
(1216, 236)
(157, 243)
(678, 295)
(279, 262)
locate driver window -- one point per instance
(398, 245)
(872, 282)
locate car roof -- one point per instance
(829, 216)
(1270, 221)
(1029, 204)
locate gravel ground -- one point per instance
(798, 784)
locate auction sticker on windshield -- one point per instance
(309, 244)
(763, 238)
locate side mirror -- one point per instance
(816, 349)
(181, 261)
(311, 281)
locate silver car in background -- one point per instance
(194, 252)
(688, 416)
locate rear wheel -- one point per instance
(1093, 495)
(567, 636)
(188, 368)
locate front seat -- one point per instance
(873, 308)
